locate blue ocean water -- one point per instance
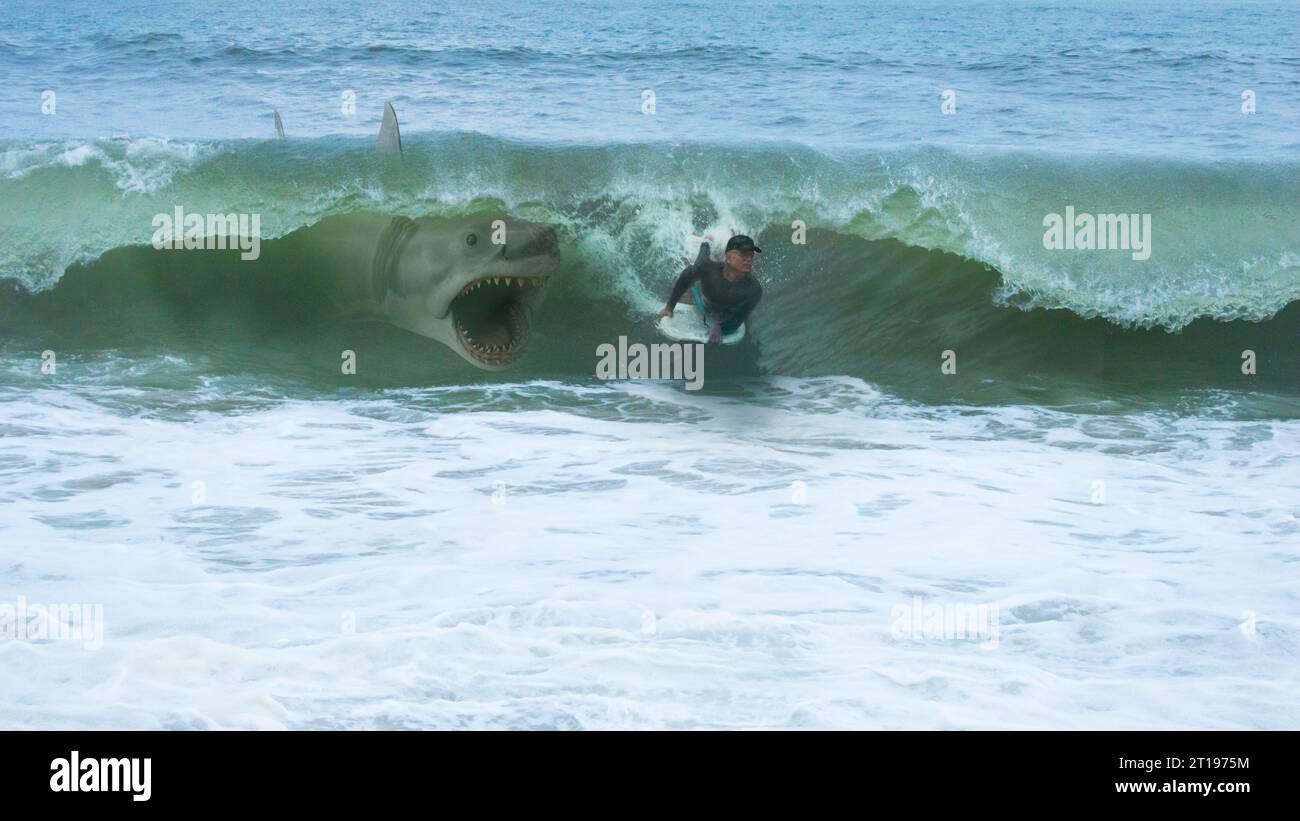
(1107, 77)
(276, 542)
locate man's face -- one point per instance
(742, 261)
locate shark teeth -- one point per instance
(517, 321)
(500, 312)
(504, 282)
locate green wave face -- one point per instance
(907, 253)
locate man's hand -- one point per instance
(715, 332)
(666, 312)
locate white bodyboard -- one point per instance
(687, 324)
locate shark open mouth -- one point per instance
(491, 316)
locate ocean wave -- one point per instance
(1224, 240)
(137, 165)
(878, 310)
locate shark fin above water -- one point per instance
(390, 137)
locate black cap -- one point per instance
(740, 242)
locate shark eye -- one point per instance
(471, 239)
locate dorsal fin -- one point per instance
(703, 255)
(390, 137)
(279, 127)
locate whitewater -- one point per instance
(933, 413)
(554, 556)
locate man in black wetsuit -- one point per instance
(730, 290)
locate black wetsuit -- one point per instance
(727, 302)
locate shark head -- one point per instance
(468, 282)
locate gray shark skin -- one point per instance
(390, 135)
(469, 282)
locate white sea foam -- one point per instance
(139, 165)
(634, 555)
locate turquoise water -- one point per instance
(276, 542)
(1162, 78)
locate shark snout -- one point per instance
(535, 240)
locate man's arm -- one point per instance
(688, 275)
